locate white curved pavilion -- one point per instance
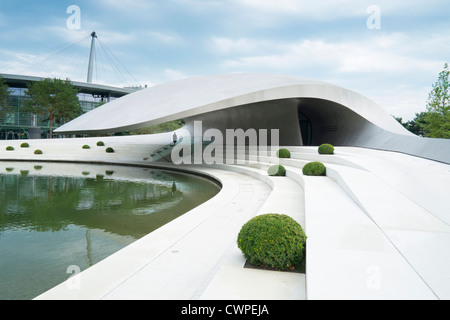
(378, 225)
(306, 112)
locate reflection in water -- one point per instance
(50, 220)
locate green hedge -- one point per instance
(274, 241)
(283, 153)
(38, 151)
(326, 149)
(314, 169)
(9, 148)
(100, 143)
(276, 170)
(25, 145)
(109, 150)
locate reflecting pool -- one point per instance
(56, 218)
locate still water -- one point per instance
(54, 217)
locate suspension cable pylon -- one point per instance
(91, 58)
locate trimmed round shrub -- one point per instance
(25, 145)
(274, 241)
(276, 170)
(38, 151)
(9, 148)
(86, 147)
(100, 143)
(283, 153)
(314, 169)
(326, 149)
(109, 150)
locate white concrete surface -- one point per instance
(261, 101)
(194, 96)
(377, 228)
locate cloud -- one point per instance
(367, 56)
(319, 10)
(126, 5)
(165, 37)
(224, 45)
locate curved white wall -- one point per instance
(257, 101)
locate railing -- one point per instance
(165, 153)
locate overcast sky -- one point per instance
(389, 51)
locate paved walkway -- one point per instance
(377, 227)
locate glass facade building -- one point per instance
(16, 123)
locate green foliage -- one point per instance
(9, 148)
(314, 169)
(326, 149)
(160, 128)
(86, 146)
(415, 125)
(54, 98)
(283, 153)
(276, 170)
(38, 151)
(109, 150)
(25, 145)
(100, 143)
(437, 119)
(273, 241)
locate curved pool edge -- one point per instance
(161, 264)
(181, 259)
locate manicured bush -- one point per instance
(86, 147)
(100, 143)
(326, 149)
(314, 169)
(25, 145)
(276, 170)
(38, 151)
(109, 150)
(9, 148)
(283, 153)
(273, 241)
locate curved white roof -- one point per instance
(193, 96)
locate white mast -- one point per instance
(91, 57)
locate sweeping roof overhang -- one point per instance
(194, 96)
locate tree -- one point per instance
(437, 119)
(415, 125)
(54, 98)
